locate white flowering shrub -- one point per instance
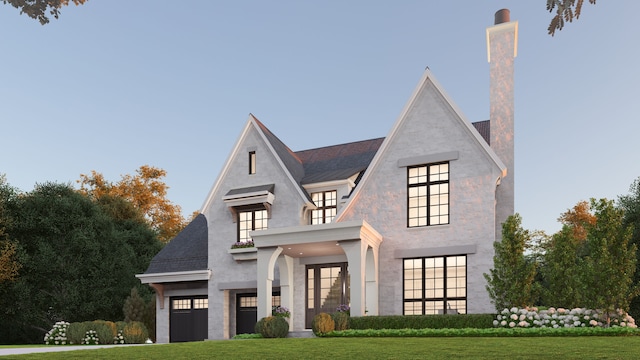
(557, 318)
(119, 339)
(58, 334)
(91, 338)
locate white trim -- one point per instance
(178, 276)
(428, 159)
(328, 185)
(295, 184)
(308, 234)
(427, 76)
(435, 251)
(256, 197)
(226, 166)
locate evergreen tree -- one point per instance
(511, 282)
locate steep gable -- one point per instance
(429, 116)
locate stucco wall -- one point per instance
(431, 127)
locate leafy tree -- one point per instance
(511, 282)
(146, 191)
(37, 9)
(566, 10)
(630, 204)
(77, 262)
(9, 264)
(562, 276)
(611, 262)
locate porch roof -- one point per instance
(316, 240)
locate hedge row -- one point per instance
(462, 321)
(97, 332)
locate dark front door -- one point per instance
(327, 288)
(188, 318)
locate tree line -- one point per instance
(71, 254)
(591, 262)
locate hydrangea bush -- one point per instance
(58, 334)
(119, 339)
(91, 338)
(560, 317)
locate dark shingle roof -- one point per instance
(186, 252)
(338, 161)
(268, 187)
(484, 128)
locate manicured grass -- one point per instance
(588, 347)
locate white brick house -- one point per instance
(403, 224)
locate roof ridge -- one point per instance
(342, 144)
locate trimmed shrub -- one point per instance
(272, 327)
(461, 321)
(106, 331)
(135, 333)
(340, 320)
(120, 325)
(77, 331)
(322, 324)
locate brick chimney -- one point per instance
(502, 48)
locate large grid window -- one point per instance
(436, 285)
(326, 202)
(428, 195)
(249, 220)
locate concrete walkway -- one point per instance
(45, 349)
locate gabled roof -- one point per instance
(337, 162)
(479, 132)
(484, 128)
(186, 252)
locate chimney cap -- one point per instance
(502, 16)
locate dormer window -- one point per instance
(326, 202)
(252, 162)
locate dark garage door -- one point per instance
(188, 319)
(247, 311)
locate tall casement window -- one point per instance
(326, 202)
(435, 285)
(428, 195)
(250, 219)
(252, 162)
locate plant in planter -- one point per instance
(280, 311)
(243, 244)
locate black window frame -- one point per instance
(323, 209)
(445, 299)
(252, 210)
(428, 184)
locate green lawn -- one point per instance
(588, 347)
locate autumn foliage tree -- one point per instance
(37, 9)
(146, 191)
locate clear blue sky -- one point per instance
(116, 84)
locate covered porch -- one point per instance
(358, 241)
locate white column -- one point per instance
(266, 263)
(371, 281)
(355, 251)
(285, 263)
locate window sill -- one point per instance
(244, 254)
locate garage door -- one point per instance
(188, 319)
(247, 311)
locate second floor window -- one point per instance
(249, 220)
(428, 195)
(252, 162)
(327, 203)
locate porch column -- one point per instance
(266, 262)
(356, 251)
(285, 263)
(372, 281)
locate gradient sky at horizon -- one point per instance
(113, 85)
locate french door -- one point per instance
(327, 287)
